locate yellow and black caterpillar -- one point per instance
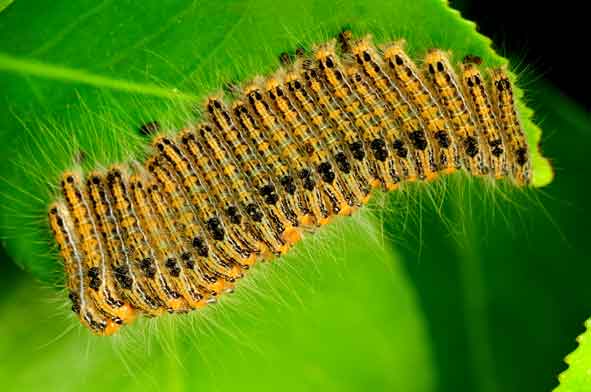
(284, 155)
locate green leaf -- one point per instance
(83, 77)
(578, 376)
(4, 4)
(312, 321)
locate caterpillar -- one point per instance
(275, 160)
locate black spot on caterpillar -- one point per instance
(284, 155)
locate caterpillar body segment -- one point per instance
(298, 143)
(494, 141)
(504, 105)
(164, 238)
(348, 94)
(89, 314)
(317, 118)
(406, 75)
(439, 72)
(254, 174)
(135, 281)
(408, 136)
(321, 168)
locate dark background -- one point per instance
(548, 36)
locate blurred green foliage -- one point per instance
(340, 318)
(505, 289)
(460, 290)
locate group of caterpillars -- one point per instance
(289, 152)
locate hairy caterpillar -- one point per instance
(285, 155)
